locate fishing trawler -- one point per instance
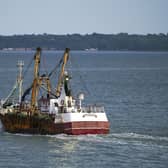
(53, 113)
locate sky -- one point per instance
(83, 16)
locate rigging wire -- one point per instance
(44, 65)
(45, 89)
(12, 95)
(82, 81)
(55, 68)
(27, 68)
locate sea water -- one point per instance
(133, 87)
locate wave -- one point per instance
(114, 138)
(140, 140)
(135, 136)
(117, 138)
(110, 137)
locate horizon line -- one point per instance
(84, 34)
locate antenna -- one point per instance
(20, 65)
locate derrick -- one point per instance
(35, 87)
(61, 76)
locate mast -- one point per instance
(20, 78)
(35, 87)
(17, 88)
(65, 59)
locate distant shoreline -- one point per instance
(89, 42)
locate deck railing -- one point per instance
(93, 109)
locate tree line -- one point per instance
(121, 41)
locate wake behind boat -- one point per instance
(55, 111)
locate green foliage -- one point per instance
(122, 41)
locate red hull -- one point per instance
(86, 127)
